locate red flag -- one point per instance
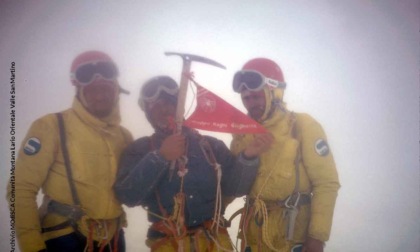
(214, 114)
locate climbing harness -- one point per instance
(258, 209)
(75, 213)
(172, 227)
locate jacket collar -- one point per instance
(277, 116)
(281, 123)
(101, 123)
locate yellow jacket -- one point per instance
(276, 178)
(94, 148)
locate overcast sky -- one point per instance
(353, 65)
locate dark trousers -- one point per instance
(76, 243)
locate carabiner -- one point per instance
(286, 203)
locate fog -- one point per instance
(352, 65)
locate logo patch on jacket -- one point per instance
(321, 147)
(32, 146)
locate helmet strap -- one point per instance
(81, 96)
(273, 105)
(276, 103)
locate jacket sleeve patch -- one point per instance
(32, 146)
(321, 147)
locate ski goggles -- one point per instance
(86, 73)
(253, 81)
(152, 90)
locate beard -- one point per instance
(256, 112)
(166, 125)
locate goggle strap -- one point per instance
(274, 83)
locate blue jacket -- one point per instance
(143, 177)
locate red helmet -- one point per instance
(266, 67)
(89, 56)
(90, 64)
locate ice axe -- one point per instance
(182, 95)
(183, 85)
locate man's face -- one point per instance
(100, 97)
(162, 114)
(254, 102)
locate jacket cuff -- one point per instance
(248, 162)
